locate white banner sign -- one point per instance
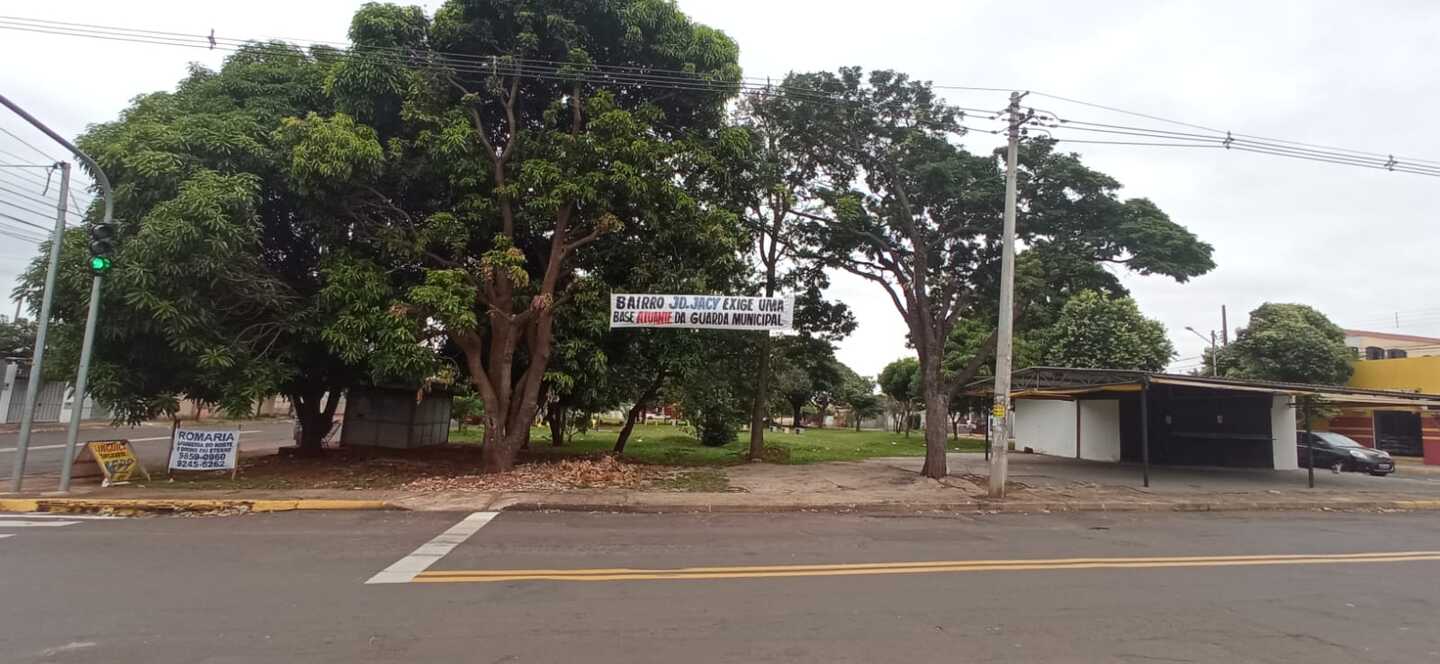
(204, 450)
(715, 312)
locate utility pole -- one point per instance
(1224, 327)
(1004, 344)
(108, 224)
(42, 327)
(1214, 356)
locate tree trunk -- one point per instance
(557, 425)
(630, 419)
(857, 423)
(496, 459)
(761, 408)
(937, 413)
(824, 408)
(637, 410)
(795, 408)
(315, 420)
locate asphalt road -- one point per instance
(151, 442)
(799, 588)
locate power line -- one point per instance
(31, 210)
(26, 143)
(35, 179)
(39, 199)
(693, 81)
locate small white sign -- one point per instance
(204, 450)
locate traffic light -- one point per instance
(102, 247)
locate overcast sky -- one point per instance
(1358, 244)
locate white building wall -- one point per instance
(1282, 432)
(1046, 426)
(1099, 430)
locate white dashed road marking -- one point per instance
(429, 553)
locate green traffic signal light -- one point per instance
(99, 264)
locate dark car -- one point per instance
(1339, 453)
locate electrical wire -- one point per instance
(18, 231)
(39, 199)
(26, 143)
(676, 79)
(17, 206)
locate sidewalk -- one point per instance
(886, 485)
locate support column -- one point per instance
(1145, 429)
(1077, 428)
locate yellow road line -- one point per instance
(621, 574)
(931, 563)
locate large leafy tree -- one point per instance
(505, 175)
(806, 373)
(1289, 342)
(858, 394)
(1095, 331)
(921, 217)
(223, 288)
(772, 182)
(900, 380)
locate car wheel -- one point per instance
(1380, 473)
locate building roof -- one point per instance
(1392, 336)
(1065, 383)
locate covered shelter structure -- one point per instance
(1145, 417)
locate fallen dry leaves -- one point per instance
(602, 473)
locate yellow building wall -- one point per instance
(1408, 374)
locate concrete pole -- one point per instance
(1224, 327)
(105, 190)
(1004, 344)
(1214, 356)
(42, 327)
(72, 433)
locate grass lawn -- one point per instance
(663, 444)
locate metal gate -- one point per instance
(47, 404)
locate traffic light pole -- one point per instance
(105, 191)
(42, 328)
(81, 377)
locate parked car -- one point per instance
(1340, 453)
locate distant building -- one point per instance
(1387, 346)
(1400, 431)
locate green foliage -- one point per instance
(1288, 342)
(17, 338)
(900, 380)
(716, 392)
(1096, 331)
(508, 201)
(228, 235)
(858, 393)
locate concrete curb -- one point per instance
(138, 506)
(1002, 507)
(181, 505)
